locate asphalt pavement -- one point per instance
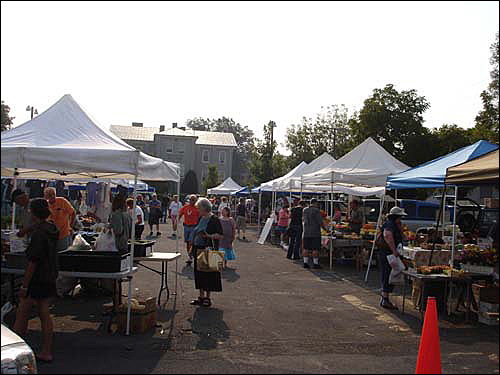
(273, 316)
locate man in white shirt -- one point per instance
(223, 204)
(173, 212)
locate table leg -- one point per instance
(404, 294)
(469, 301)
(422, 297)
(164, 282)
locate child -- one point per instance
(229, 229)
(39, 282)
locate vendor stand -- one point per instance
(433, 175)
(64, 143)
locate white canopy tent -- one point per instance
(362, 172)
(226, 188)
(368, 164)
(65, 143)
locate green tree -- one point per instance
(487, 119)
(244, 139)
(327, 132)
(6, 122)
(212, 178)
(395, 120)
(189, 184)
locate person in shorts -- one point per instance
(312, 222)
(191, 216)
(173, 212)
(241, 218)
(154, 215)
(39, 281)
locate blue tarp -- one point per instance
(432, 174)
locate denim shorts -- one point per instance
(188, 229)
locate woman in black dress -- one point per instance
(39, 283)
(206, 234)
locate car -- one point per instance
(419, 213)
(17, 357)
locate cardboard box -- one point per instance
(142, 318)
(491, 202)
(484, 293)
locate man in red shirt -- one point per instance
(191, 216)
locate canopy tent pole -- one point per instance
(14, 187)
(330, 235)
(454, 225)
(441, 207)
(375, 237)
(177, 227)
(396, 198)
(444, 206)
(258, 211)
(132, 239)
(301, 187)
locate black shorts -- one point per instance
(154, 219)
(39, 291)
(312, 243)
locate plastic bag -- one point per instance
(83, 208)
(79, 243)
(396, 277)
(17, 244)
(106, 241)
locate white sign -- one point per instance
(265, 231)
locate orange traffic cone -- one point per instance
(429, 353)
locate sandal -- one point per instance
(207, 302)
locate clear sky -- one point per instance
(159, 63)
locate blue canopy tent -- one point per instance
(433, 173)
(239, 193)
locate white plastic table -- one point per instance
(164, 259)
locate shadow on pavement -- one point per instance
(209, 325)
(230, 275)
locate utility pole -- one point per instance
(272, 125)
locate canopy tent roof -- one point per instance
(65, 143)
(293, 183)
(227, 187)
(368, 164)
(361, 191)
(244, 191)
(268, 186)
(432, 174)
(482, 170)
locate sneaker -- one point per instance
(151, 234)
(158, 233)
(306, 265)
(317, 266)
(244, 238)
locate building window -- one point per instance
(205, 156)
(204, 173)
(222, 157)
(222, 175)
(169, 147)
(181, 147)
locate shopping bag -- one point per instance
(79, 243)
(396, 277)
(106, 241)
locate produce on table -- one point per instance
(472, 254)
(432, 270)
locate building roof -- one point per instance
(148, 133)
(134, 133)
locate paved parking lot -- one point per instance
(272, 317)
